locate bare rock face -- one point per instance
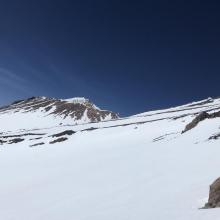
(201, 117)
(214, 195)
(75, 108)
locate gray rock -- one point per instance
(201, 117)
(214, 195)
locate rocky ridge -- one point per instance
(77, 109)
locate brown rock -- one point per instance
(60, 108)
(201, 117)
(214, 195)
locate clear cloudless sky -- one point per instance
(125, 56)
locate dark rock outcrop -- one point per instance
(15, 140)
(67, 132)
(215, 137)
(22, 135)
(201, 117)
(59, 140)
(90, 129)
(37, 144)
(214, 195)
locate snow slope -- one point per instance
(140, 167)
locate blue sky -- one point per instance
(125, 56)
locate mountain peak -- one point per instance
(56, 111)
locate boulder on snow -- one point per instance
(214, 195)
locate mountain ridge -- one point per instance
(74, 110)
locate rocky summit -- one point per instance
(57, 111)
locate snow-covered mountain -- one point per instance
(156, 165)
(42, 111)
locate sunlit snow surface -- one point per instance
(140, 167)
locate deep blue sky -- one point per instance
(126, 56)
